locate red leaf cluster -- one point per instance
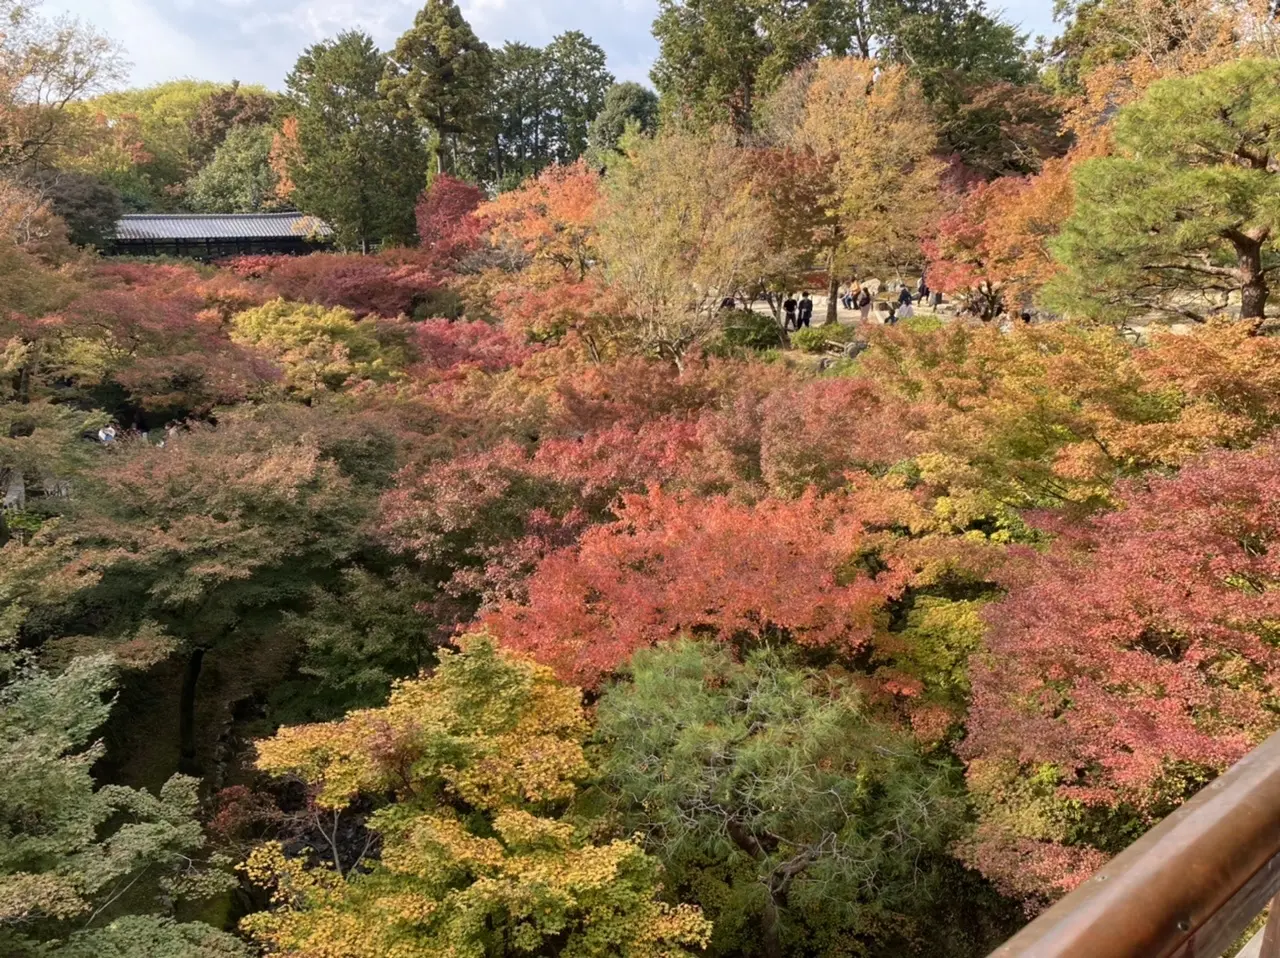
(456, 347)
(494, 514)
(167, 346)
(673, 565)
(633, 391)
(551, 311)
(388, 284)
(966, 255)
(1139, 655)
(447, 225)
(813, 434)
(1023, 868)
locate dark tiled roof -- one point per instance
(199, 226)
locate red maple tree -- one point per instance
(709, 567)
(1133, 661)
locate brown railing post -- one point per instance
(1271, 936)
(1189, 888)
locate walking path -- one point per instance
(852, 316)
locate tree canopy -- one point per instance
(815, 802)
(440, 75)
(349, 137)
(1182, 217)
(536, 573)
(623, 104)
(476, 855)
(238, 177)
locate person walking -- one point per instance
(864, 303)
(804, 312)
(904, 303)
(789, 312)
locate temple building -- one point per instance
(217, 235)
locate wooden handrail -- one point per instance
(1188, 888)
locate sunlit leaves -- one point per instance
(482, 757)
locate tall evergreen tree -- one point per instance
(542, 106)
(945, 42)
(720, 57)
(623, 103)
(521, 108)
(441, 75)
(578, 82)
(359, 164)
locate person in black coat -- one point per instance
(789, 311)
(804, 312)
(864, 303)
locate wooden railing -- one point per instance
(1189, 888)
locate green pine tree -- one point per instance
(579, 81)
(361, 163)
(1182, 219)
(70, 852)
(441, 75)
(776, 802)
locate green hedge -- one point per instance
(816, 339)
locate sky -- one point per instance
(257, 41)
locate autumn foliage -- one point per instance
(572, 600)
(447, 226)
(669, 567)
(481, 756)
(1129, 665)
(388, 285)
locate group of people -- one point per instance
(797, 314)
(111, 433)
(861, 297)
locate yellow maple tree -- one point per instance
(478, 857)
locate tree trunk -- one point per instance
(770, 934)
(1254, 291)
(187, 763)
